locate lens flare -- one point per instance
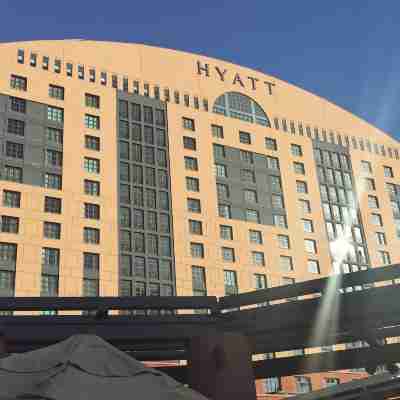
(326, 321)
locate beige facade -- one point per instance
(295, 116)
(205, 78)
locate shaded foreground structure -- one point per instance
(85, 367)
(218, 345)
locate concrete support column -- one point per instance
(220, 366)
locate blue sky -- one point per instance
(345, 51)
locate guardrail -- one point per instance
(211, 303)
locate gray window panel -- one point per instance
(143, 127)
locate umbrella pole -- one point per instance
(220, 366)
(3, 345)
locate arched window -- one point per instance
(240, 106)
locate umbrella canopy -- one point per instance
(85, 367)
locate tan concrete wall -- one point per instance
(177, 71)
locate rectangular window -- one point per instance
(53, 158)
(91, 235)
(18, 82)
(272, 385)
(258, 258)
(13, 174)
(252, 216)
(220, 171)
(191, 163)
(369, 184)
(90, 287)
(52, 205)
(366, 167)
(228, 254)
(92, 165)
(245, 137)
(51, 230)
(380, 238)
(192, 184)
(391, 188)
(81, 72)
(219, 151)
(230, 281)
(250, 196)
(55, 114)
(310, 246)
(56, 92)
(272, 163)
(92, 121)
(92, 211)
(189, 143)
(313, 266)
(15, 150)
(91, 100)
(197, 250)
(188, 123)
(69, 68)
(9, 224)
(222, 191)
(18, 105)
(283, 241)
(277, 201)
(286, 263)
(308, 225)
(387, 172)
(50, 257)
(49, 285)
(384, 257)
(186, 100)
(8, 252)
(57, 66)
(260, 281)
(373, 202)
(247, 175)
(199, 281)
(92, 142)
(298, 168)
(276, 184)
(305, 206)
(54, 135)
(91, 263)
(21, 56)
(303, 384)
(331, 381)
(255, 236)
(301, 187)
(224, 211)
(217, 131)
(194, 205)
(376, 219)
(271, 144)
(52, 181)
(148, 115)
(225, 232)
(7, 280)
(11, 199)
(92, 188)
(296, 150)
(195, 227)
(159, 117)
(246, 156)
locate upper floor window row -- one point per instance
(18, 82)
(116, 81)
